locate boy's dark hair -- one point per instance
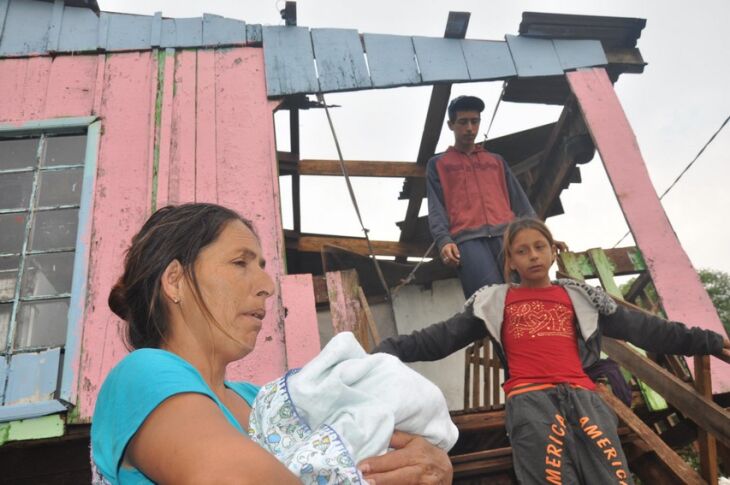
(464, 103)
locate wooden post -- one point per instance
(682, 294)
(706, 442)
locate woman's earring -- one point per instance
(176, 300)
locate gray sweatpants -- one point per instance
(565, 435)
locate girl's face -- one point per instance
(531, 255)
(235, 287)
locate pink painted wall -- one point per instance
(216, 144)
(300, 320)
(683, 296)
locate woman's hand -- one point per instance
(414, 461)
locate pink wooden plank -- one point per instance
(205, 149)
(121, 206)
(23, 84)
(301, 329)
(99, 83)
(182, 164)
(71, 86)
(247, 181)
(677, 283)
(165, 130)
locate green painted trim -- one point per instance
(51, 426)
(604, 270)
(161, 54)
(570, 263)
(637, 259)
(55, 124)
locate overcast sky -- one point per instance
(674, 107)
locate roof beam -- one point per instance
(355, 168)
(315, 243)
(456, 26)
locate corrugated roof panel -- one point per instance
(219, 30)
(26, 28)
(579, 53)
(340, 60)
(487, 59)
(534, 57)
(440, 59)
(392, 60)
(289, 61)
(79, 30)
(128, 32)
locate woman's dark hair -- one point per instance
(171, 233)
(511, 232)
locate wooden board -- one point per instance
(534, 57)
(128, 32)
(79, 30)
(340, 60)
(219, 30)
(575, 53)
(289, 61)
(301, 330)
(21, 37)
(392, 60)
(683, 296)
(487, 59)
(440, 59)
(32, 377)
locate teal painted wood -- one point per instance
(156, 32)
(487, 59)
(26, 28)
(440, 59)
(79, 30)
(534, 57)
(3, 376)
(289, 61)
(253, 34)
(4, 4)
(32, 410)
(219, 30)
(32, 376)
(392, 60)
(103, 32)
(129, 32)
(54, 29)
(182, 32)
(77, 305)
(575, 53)
(59, 125)
(340, 60)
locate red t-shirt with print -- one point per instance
(539, 338)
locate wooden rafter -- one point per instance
(355, 168)
(315, 243)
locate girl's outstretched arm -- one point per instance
(657, 335)
(436, 341)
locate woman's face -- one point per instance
(234, 286)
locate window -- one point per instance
(42, 176)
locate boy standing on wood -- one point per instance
(472, 196)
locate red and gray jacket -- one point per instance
(471, 196)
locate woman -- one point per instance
(193, 296)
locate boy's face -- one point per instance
(465, 126)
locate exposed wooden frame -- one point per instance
(455, 29)
(315, 243)
(288, 164)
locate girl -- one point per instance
(545, 334)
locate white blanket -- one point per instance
(342, 407)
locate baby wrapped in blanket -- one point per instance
(342, 407)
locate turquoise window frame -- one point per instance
(68, 387)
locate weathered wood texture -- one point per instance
(682, 472)
(707, 443)
(314, 244)
(355, 168)
(392, 60)
(676, 281)
(704, 412)
(300, 319)
(340, 60)
(349, 308)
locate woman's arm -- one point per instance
(657, 335)
(436, 341)
(187, 439)
(412, 461)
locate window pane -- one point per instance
(15, 153)
(54, 229)
(8, 277)
(65, 150)
(12, 230)
(61, 187)
(42, 324)
(5, 310)
(15, 190)
(47, 274)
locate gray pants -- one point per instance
(565, 435)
